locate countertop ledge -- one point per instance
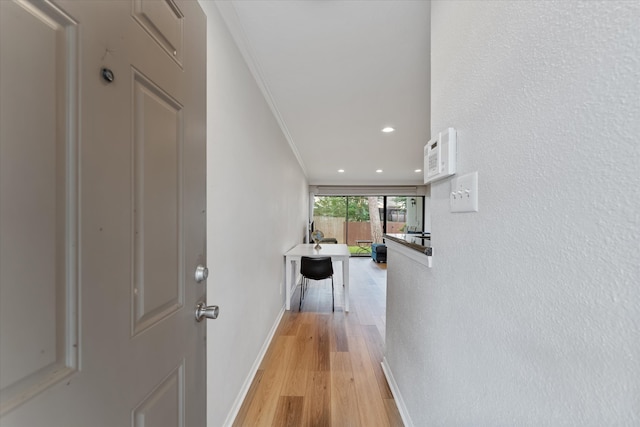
(418, 253)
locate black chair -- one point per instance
(316, 269)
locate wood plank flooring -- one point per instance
(322, 367)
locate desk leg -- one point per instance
(345, 280)
(288, 271)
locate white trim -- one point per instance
(395, 391)
(415, 255)
(237, 404)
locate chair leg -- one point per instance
(304, 285)
(333, 298)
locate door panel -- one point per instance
(164, 21)
(38, 340)
(158, 287)
(164, 405)
(29, 214)
(102, 202)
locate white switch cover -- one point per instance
(464, 193)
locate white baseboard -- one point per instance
(237, 404)
(397, 396)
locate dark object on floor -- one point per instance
(379, 252)
(329, 240)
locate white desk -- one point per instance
(337, 252)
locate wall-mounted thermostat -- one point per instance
(440, 156)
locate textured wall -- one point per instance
(257, 202)
(530, 314)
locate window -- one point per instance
(359, 221)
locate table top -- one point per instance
(326, 249)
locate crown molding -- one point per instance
(230, 17)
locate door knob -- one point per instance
(202, 273)
(210, 312)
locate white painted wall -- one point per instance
(257, 209)
(530, 314)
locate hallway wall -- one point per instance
(530, 313)
(257, 207)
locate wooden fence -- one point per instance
(335, 227)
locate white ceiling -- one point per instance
(335, 72)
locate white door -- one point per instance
(102, 213)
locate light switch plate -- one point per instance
(464, 193)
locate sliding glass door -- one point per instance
(404, 215)
(364, 225)
(360, 221)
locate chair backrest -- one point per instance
(316, 268)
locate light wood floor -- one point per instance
(323, 368)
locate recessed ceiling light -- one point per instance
(341, 170)
(388, 129)
(418, 170)
(379, 171)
